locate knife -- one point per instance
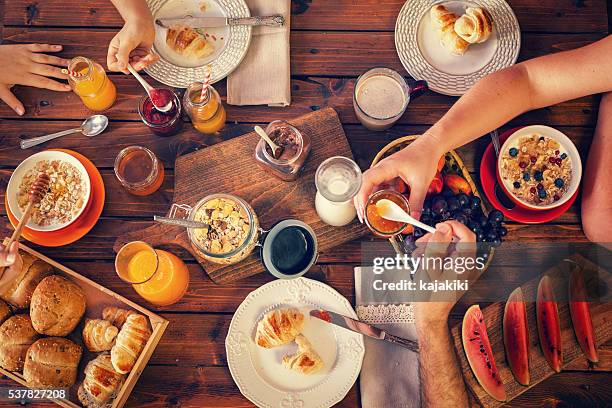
(363, 328)
(210, 22)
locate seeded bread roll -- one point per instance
(33, 270)
(5, 311)
(16, 336)
(57, 306)
(52, 362)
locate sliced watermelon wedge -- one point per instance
(516, 336)
(479, 354)
(549, 330)
(581, 315)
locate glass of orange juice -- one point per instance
(89, 81)
(205, 108)
(159, 277)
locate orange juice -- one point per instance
(92, 85)
(207, 113)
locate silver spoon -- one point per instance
(180, 222)
(262, 133)
(393, 212)
(149, 89)
(92, 126)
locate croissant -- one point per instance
(116, 315)
(475, 25)
(129, 343)
(443, 21)
(306, 360)
(187, 42)
(101, 382)
(99, 335)
(279, 327)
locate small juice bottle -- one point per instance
(92, 85)
(204, 108)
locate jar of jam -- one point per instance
(290, 158)
(139, 171)
(161, 123)
(378, 225)
(204, 108)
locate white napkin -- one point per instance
(264, 76)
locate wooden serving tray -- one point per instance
(98, 297)
(538, 366)
(230, 167)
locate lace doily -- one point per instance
(381, 314)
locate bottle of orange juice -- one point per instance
(159, 277)
(204, 107)
(88, 80)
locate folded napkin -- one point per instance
(390, 373)
(264, 76)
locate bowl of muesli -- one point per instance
(68, 193)
(539, 167)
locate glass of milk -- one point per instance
(338, 180)
(381, 97)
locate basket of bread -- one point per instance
(61, 331)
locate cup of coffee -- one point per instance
(381, 97)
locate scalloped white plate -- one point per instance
(424, 57)
(259, 373)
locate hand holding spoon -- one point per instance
(158, 98)
(92, 126)
(275, 148)
(393, 212)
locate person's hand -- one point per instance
(132, 45)
(25, 64)
(8, 256)
(416, 164)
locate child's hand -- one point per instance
(132, 45)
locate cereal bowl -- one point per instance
(68, 194)
(539, 168)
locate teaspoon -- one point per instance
(92, 126)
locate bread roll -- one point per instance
(32, 271)
(101, 382)
(187, 42)
(5, 311)
(475, 26)
(116, 316)
(306, 360)
(279, 327)
(99, 335)
(52, 362)
(58, 305)
(443, 22)
(16, 337)
(130, 342)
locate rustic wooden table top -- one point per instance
(332, 42)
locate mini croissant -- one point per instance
(443, 21)
(279, 327)
(116, 316)
(101, 383)
(99, 335)
(187, 42)
(306, 360)
(475, 25)
(129, 343)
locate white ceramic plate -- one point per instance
(231, 43)
(12, 189)
(424, 57)
(259, 373)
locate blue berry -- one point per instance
(542, 194)
(526, 176)
(537, 175)
(563, 156)
(559, 183)
(513, 151)
(516, 184)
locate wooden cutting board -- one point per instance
(230, 167)
(601, 314)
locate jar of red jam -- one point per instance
(290, 158)
(378, 225)
(161, 123)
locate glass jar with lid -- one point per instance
(289, 160)
(338, 180)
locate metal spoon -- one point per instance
(265, 137)
(393, 212)
(92, 126)
(499, 193)
(149, 89)
(181, 222)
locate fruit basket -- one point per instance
(451, 171)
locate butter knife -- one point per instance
(363, 328)
(210, 22)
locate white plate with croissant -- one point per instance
(452, 44)
(185, 52)
(279, 356)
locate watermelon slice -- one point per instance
(516, 336)
(479, 354)
(548, 324)
(581, 316)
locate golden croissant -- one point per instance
(99, 335)
(101, 383)
(129, 343)
(279, 327)
(475, 25)
(443, 21)
(115, 315)
(187, 42)
(306, 360)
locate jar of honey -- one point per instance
(139, 171)
(205, 108)
(92, 85)
(378, 225)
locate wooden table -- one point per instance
(332, 42)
